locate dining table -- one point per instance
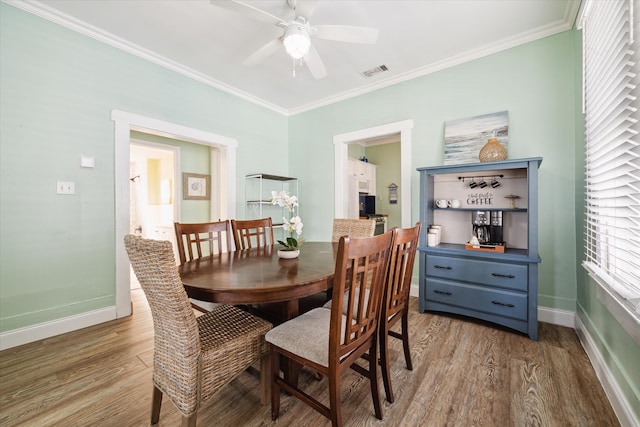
(260, 276)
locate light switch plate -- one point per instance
(66, 187)
(87, 162)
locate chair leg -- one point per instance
(384, 362)
(265, 379)
(373, 379)
(405, 339)
(275, 388)
(189, 421)
(156, 403)
(335, 405)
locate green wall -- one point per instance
(533, 82)
(57, 90)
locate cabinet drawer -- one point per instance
(494, 301)
(510, 276)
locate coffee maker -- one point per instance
(495, 230)
(487, 227)
(481, 226)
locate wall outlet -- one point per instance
(65, 187)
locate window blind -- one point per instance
(611, 61)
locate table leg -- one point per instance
(290, 309)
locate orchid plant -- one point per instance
(294, 223)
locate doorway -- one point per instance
(223, 156)
(341, 152)
(153, 202)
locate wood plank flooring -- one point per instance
(465, 373)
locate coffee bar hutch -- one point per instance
(497, 283)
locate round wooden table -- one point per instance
(258, 276)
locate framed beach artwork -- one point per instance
(464, 138)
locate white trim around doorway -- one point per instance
(341, 143)
(225, 149)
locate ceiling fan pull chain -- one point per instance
(294, 65)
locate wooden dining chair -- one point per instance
(396, 301)
(352, 228)
(193, 357)
(341, 227)
(329, 342)
(252, 233)
(195, 240)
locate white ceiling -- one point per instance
(209, 43)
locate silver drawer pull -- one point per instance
(445, 267)
(508, 276)
(441, 292)
(502, 304)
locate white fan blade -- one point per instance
(248, 10)
(315, 64)
(305, 8)
(263, 53)
(347, 33)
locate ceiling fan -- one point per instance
(297, 32)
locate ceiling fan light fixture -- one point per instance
(297, 42)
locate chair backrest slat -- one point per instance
(202, 239)
(252, 233)
(361, 265)
(403, 255)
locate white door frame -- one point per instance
(341, 152)
(224, 151)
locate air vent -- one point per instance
(375, 70)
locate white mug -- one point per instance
(453, 203)
(432, 239)
(441, 203)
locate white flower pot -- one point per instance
(288, 254)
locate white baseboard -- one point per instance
(556, 316)
(619, 403)
(44, 330)
(414, 292)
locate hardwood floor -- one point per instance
(465, 373)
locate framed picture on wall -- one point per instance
(196, 186)
(464, 138)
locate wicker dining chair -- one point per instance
(252, 233)
(195, 240)
(352, 228)
(330, 342)
(193, 357)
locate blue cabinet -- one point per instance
(496, 286)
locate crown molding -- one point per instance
(553, 29)
(43, 11)
(53, 15)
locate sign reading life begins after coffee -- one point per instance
(480, 199)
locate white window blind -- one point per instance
(611, 74)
